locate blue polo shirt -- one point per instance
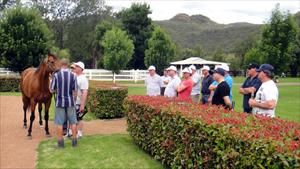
(229, 81)
(250, 82)
(64, 83)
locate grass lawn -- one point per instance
(99, 151)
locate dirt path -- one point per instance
(17, 151)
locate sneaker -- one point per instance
(60, 144)
(79, 134)
(74, 142)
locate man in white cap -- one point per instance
(82, 92)
(153, 82)
(195, 94)
(171, 87)
(206, 82)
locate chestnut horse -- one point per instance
(35, 90)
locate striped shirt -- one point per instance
(64, 83)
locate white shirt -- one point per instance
(82, 84)
(165, 79)
(267, 91)
(196, 88)
(170, 90)
(153, 84)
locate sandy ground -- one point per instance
(17, 151)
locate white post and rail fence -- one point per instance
(97, 74)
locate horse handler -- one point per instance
(64, 83)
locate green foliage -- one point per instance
(253, 56)
(295, 63)
(279, 40)
(10, 84)
(100, 30)
(185, 135)
(160, 50)
(139, 26)
(118, 49)
(24, 38)
(106, 101)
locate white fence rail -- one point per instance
(7, 73)
(98, 74)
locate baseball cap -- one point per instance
(151, 67)
(220, 71)
(267, 68)
(192, 67)
(172, 68)
(253, 65)
(225, 67)
(80, 64)
(206, 68)
(187, 70)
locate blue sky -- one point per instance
(255, 11)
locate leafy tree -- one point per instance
(118, 49)
(253, 56)
(24, 38)
(235, 63)
(160, 50)
(295, 63)
(100, 31)
(219, 55)
(279, 40)
(139, 26)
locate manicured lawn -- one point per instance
(240, 79)
(99, 151)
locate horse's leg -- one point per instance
(40, 108)
(25, 106)
(47, 106)
(32, 116)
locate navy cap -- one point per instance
(220, 71)
(253, 65)
(267, 68)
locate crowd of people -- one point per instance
(71, 88)
(215, 87)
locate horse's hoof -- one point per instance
(25, 127)
(48, 135)
(41, 126)
(29, 136)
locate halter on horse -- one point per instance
(35, 90)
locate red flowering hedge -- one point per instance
(105, 100)
(188, 135)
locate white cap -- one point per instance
(192, 67)
(151, 68)
(187, 70)
(80, 64)
(205, 68)
(225, 67)
(172, 68)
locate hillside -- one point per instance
(189, 31)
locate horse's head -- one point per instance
(52, 63)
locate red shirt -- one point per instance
(185, 94)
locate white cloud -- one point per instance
(218, 11)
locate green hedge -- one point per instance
(187, 135)
(106, 100)
(9, 84)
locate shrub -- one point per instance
(106, 100)
(9, 84)
(188, 135)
